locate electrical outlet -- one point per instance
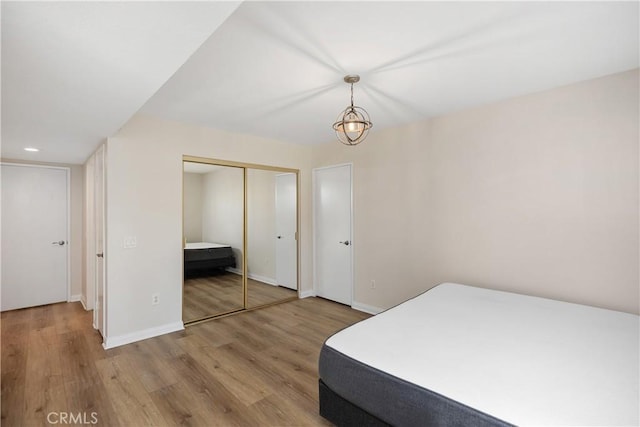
(155, 299)
(373, 284)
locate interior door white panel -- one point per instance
(34, 236)
(332, 225)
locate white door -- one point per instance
(35, 221)
(98, 191)
(332, 233)
(286, 215)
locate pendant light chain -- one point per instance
(351, 95)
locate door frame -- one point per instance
(314, 195)
(68, 190)
(89, 236)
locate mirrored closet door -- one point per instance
(240, 247)
(213, 205)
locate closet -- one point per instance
(240, 246)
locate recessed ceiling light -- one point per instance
(31, 149)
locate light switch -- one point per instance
(130, 242)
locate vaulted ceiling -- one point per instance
(74, 72)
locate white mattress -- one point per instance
(205, 245)
(525, 360)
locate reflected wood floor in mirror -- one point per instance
(221, 293)
(263, 293)
(257, 368)
(209, 295)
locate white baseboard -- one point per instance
(82, 299)
(263, 279)
(117, 341)
(366, 308)
(307, 293)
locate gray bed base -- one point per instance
(204, 261)
(355, 394)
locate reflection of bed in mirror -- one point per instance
(203, 257)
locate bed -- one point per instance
(203, 257)
(458, 355)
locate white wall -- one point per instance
(537, 194)
(193, 207)
(77, 230)
(144, 199)
(222, 209)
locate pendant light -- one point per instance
(353, 124)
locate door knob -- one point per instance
(279, 237)
(346, 243)
(59, 242)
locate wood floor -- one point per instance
(256, 368)
(221, 293)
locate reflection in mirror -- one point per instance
(213, 233)
(271, 237)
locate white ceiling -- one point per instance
(73, 73)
